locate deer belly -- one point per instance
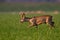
(41, 21)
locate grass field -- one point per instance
(12, 29)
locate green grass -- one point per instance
(12, 29)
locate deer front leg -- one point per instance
(30, 25)
(33, 23)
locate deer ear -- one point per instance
(22, 14)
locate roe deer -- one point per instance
(36, 20)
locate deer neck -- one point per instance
(27, 19)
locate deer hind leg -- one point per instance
(51, 24)
(47, 21)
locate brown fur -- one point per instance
(35, 21)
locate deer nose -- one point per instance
(21, 21)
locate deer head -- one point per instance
(22, 17)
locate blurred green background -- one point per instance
(6, 7)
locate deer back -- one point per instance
(43, 19)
